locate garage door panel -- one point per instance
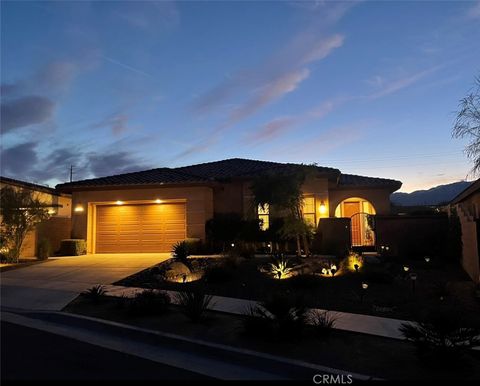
(139, 228)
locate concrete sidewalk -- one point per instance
(366, 324)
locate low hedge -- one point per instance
(72, 247)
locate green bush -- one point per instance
(194, 304)
(148, 302)
(43, 249)
(72, 247)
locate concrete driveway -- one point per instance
(53, 284)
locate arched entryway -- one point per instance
(360, 211)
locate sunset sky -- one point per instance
(370, 88)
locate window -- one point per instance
(263, 216)
(309, 210)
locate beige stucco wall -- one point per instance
(314, 187)
(49, 199)
(29, 245)
(379, 198)
(468, 212)
(199, 207)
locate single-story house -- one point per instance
(59, 207)
(467, 207)
(150, 210)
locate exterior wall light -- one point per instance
(405, 268)
(323, 208)
(232, 245)
(158, 201)
(78, 208)
(119, 202)
(51, 211)
(427, 259)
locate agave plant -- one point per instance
(279, 315)
(194, 304)
(95, 293)
(280, 267)
(441, 336)
(322, 321)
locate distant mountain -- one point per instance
(434, 196)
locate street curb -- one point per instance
(129, 330)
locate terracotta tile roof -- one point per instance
(240, 167)
(153, 176)
(362, 181)
(215, 171)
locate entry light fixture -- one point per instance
(427, 259)
(323, 208)
(78, 208)
(119, 202)
(406, 268)
(364, 285)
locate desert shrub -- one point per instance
(149, 302)
(278, 316)
(322, 321)
(194, 304)
(305, 281)
(441, 337)
(72, 247)
(43, 249)
(377, 274)
(219, 273)
(95, 294)
(280, 267)
(256, 322)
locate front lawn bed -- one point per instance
(390, 291)
(360, 353)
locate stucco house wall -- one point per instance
(380, 198)
(60, 207)
(468, 211)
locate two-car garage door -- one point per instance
(139, 228)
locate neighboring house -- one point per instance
(150, 210)
(467, 205)
(59, 208)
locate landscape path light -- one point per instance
(364, 289)
(413, 278)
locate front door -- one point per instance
(349, 210)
